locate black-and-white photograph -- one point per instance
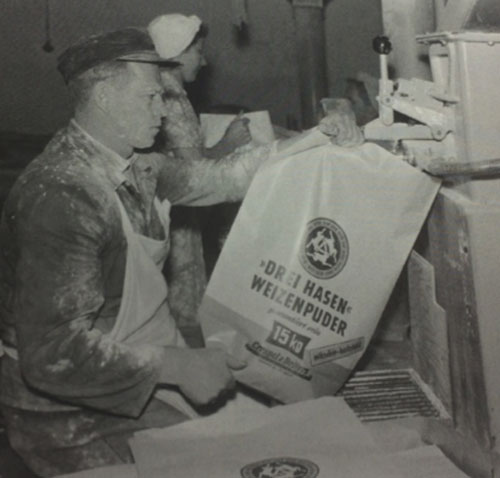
(249, 238)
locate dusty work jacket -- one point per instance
(62, 265)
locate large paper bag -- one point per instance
(309, 265)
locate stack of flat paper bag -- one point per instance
(315, 438)
(319, 437)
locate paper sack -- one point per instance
(310, 263)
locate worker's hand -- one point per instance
(201, 374)
(237, 133)
(340, 125)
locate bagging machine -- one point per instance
(450, 127)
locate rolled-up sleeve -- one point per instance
(59, 295)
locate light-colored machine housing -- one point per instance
(452, 130)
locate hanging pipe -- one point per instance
(47, 46)
(311, 57)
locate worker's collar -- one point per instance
(116, 166)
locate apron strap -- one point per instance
(126, 224)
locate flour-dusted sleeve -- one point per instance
(62, 234)
(203, 182)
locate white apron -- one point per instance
(144, 315)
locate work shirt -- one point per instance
(62, 267)
(181, 126)
(185, 268)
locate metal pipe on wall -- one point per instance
(311, 57)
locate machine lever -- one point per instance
(383, 46)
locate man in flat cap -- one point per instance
(84, 319)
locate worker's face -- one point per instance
(135, 105)
(192, 60)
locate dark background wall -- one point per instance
(258, 70)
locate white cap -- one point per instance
(173, 33)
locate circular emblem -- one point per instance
(281, 468)
(325, 248)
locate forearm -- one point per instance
(217, 151)
(207, 182)
(87, 370)
(62, 354)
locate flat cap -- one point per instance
(128, 44)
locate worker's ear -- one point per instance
(102, 92)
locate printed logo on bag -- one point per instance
(325, 248)
(281, 468)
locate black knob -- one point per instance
(382, 45)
